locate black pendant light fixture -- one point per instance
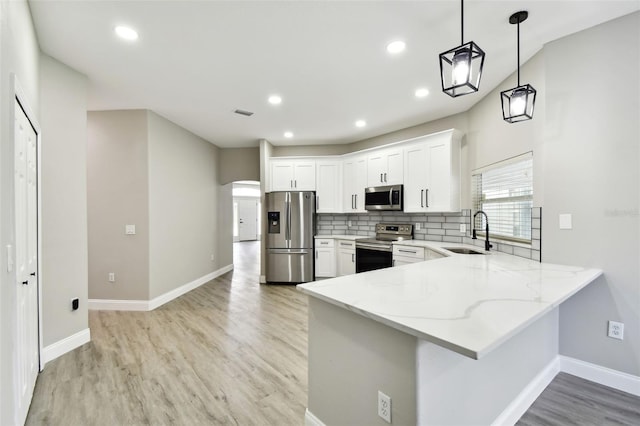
(461, 67)
(518, 103)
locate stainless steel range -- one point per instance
(377, 253)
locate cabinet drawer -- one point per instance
(406, 251)
(324, 242)
(345, 244)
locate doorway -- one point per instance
(246, 211)
(26, 360)
(247, 219)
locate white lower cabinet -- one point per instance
(325, 254)
(346, 257)
(403, 255)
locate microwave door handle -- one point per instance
(390, 197)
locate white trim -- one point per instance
(149, 305)
(529, 394)
(118, 305)
(596, 373)
(175, 293)
(65, 345)
(263, 279)
(311, 420)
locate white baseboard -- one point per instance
(605, 376)
(149, 305)
(263, 279)
(529, 394)
(311, 420)
(118, 305)
(61, 347)
(174, 294)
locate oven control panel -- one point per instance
(400, 230)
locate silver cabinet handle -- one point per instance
(381, 178)
(324, 242)
(353, 203)
(385, 177)
(408, 251)
(346, 244)
(316, 254)
(356, 204)
(421, 198)
(295, 183)
(291, 184)
(317, 202)
(353, 258)
(427, 197)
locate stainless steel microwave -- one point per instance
(383, 197)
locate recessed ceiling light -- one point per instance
(422, 92)
(361, 123)
(288, 135)
(396, 46)
(275, 99)
(126, 33)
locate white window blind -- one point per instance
(504, 191)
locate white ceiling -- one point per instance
(197, 61)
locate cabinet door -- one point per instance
(325, 262)
(304, 176)
(328, 187)
(346, 262)
(393, 173)
(399, 261)
(355, 181)
(281, 175)
(438, 165)
(415, 178)
(376, 167)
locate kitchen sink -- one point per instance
(460, 250)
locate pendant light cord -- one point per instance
(518, 52)
(461, 22)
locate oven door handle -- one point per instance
(375, 247)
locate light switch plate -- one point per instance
(130, 229)
(565, 221)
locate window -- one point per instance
(504, 191)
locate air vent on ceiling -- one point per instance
(243, 112)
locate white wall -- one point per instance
(63, 111)
(19, 55)
(591, 170)
(183, 207)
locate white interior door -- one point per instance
(26, 244)
(247, 220)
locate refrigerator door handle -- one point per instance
(289, 221)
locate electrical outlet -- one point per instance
(463, 227)
(112, 277)
(418, 226)
(349, 223)
(213, 258)
(384, 407)
(616, 330)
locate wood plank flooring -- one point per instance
(229, 352)
(234, 352)
(570, 400)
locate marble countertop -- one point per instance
(469, 304)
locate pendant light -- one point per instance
(518, 103)
(461, 67)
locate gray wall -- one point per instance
(345, 350)
(591, 170)
(19, 54)
(118, 193)
(183, 206)
(63, 94)
(225, 225)
(239, 164)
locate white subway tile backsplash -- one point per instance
(442, 227)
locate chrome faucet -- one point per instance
(487, 245)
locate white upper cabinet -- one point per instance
(432, 173)
(293, 175)
(329, 186)
(355, 180)
(385, 167)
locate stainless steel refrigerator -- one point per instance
(290, 229)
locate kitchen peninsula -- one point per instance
(454, 340)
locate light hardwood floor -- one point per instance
(229, 352)
(233, 352)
